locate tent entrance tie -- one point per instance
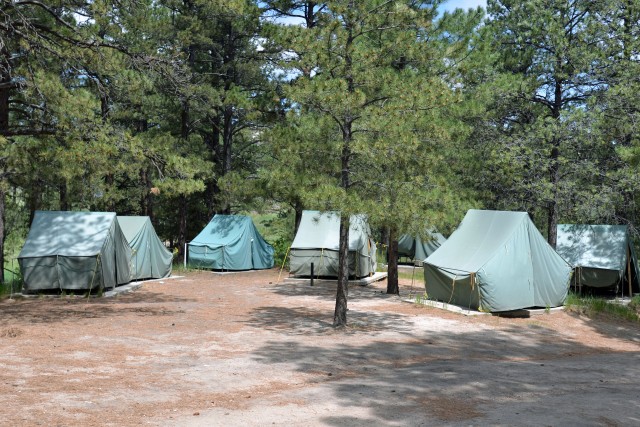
(283, 263)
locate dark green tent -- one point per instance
(230, 242)
(418, 249)
(497, 261)
(150, 259)
(75, 251)
(602, 255)
(317, 241)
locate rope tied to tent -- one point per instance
(453, 287)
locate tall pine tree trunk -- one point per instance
(5, 81)
(63, 195)
(554, 166)
(392, 266)
(340, 314)
(2, 202)
(298, 208)
(182, 226)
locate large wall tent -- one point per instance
(74, 251)
(416, 248)
(497, 261)
(317, 241)
(230, 242)
(602, 256)
(150, 259)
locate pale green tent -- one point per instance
(317, 242)
(416, 248)
(150, 259)
(497, 261)
(74, 251)
(230, 242)
(602, 255)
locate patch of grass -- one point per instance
(179, 268)
(593, 306)
(417, 275)
(13, 282)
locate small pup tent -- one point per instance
(602, 256)
(317, 241)
(230, 242)
(418, 249)
(149, 257)
(497, 261)
(74, 251)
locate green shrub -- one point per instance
(281, 251)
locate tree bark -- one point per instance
(392, 266)
(298, 208)
(340, 314)
(182, 225)
(64, 197)
(2, 236)
(554, 166)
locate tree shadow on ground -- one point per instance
(59, 309)
(310, 321)
(610, 327)
(527, 375)
(326, 290)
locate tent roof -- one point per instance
(224, 230)
(67, 233)
(321, 230)
(480, 234)
(131, 225)
(593, 246)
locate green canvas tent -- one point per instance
(602, 255)
(150, 259)
(497, 261)
(230, 242)
(317, 242)
(418, 249)
(74, 251)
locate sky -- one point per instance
(464, 4)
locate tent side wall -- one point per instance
(59, 272)
(206, 257)
(325, 263)
(551, 273)
(450, 287)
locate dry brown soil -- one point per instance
(245, 349)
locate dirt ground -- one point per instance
(243, 349)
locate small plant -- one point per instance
(593, 306)
(281, 249)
